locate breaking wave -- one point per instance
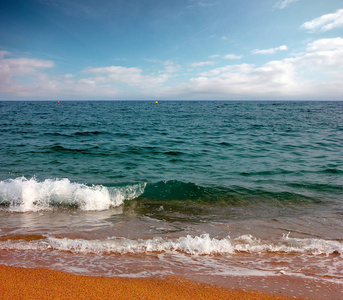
(24, 195)
(193, 245)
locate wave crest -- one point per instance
(22, 194)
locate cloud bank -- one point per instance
(290, 78)
(317, 73)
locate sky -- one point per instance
(171, 50)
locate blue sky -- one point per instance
(171, 49)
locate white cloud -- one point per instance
(326, 44)
(170, 67)
(317, 73)
(273, 78)
(202, 63)
(26, 78)
(242, 68)
(324, 55)
(283, 3)
(270, 50)
(130, 76)
(14, 69)
(23, 66)
(325, 22)
(233, 56)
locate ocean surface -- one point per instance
(241, 194)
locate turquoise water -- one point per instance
(177, 178)
(291, 147)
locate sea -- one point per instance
(245, 194)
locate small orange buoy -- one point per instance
(58, 102)
(156, 102)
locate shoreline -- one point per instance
(37, 283)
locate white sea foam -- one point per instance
(198, 245)
(22, 194)
(201, 245)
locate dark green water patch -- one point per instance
(167, 192)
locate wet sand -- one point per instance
(22, 283)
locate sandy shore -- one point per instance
(21, 283)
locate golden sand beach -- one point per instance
(23, 283)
